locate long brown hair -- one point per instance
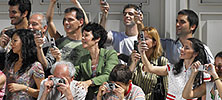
(153, 33)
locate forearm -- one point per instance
(33, 92)
(103, 19)
(132, 66)
(42, 58)
(44, 96)
(98, 97)
(148, 66)
(218, 84)
(188, 91)
(49, 17)
(78, 5)
(50, 11)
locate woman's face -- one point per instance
(16, 44)
(149, 41)
(87, 41)
(187, 52)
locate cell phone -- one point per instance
(53, 45)
(142, 38)
(136, 46)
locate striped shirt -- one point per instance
(147, 81)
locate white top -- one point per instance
(176, 83)
(121, 42)
(209, 87)
(78, 93)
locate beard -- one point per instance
(18, 22)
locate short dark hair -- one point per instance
(130, 6)
(24, 5)
(79, 13)
(98, 32)
(219, 54)
(191, 17)
(120, 73)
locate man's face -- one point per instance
(218, 65)
(62, 71)
(15, 15)
(71, 24)
(182, 25)
(35, 22)
(128, 17)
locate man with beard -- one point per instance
(19, 12)
(213, 89)
(122, 42)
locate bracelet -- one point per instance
(26, 90)
(216, 79)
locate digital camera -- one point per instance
(202, 68)
(110, 86)
(37, 32)
(57, 80)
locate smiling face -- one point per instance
(128, 17)
(183, 25)
(16, 44)
(35, 22)
(71, 24)
(15, 15)
(187, 52)
(87, 40)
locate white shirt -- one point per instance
(122, 43)
(78, 93)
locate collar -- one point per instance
(130, 87)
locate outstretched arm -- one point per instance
(78, 5)
(148, 66)
(104, 6)
(49, 17)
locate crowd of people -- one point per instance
(38, 63)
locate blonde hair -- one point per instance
(153, 33)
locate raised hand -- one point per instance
(104, 6)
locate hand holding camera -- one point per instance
(110, 86)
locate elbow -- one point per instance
(186, 95)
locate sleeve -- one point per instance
(37, 70)
(41, 89)
(50, 60)
(111, 61)
(78, 93)
(139, 94)
(171, 48)
(109, 39)
(210, 57)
